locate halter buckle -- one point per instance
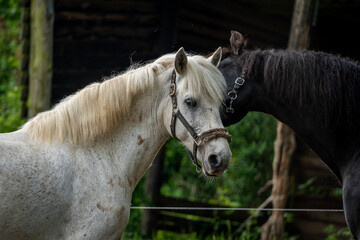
(241, 79)
(172, 89)
(198, 141)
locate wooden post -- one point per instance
(152, 190)
(284, 148)
(285, 143)
(41, 56)
(304, 13)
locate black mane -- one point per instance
(315, 82)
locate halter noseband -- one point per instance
(198, 139)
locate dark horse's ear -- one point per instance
(237, 42)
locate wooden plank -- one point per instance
(68, 20)
(238, 216)
(204, 13)
(174, 224)
(203, 30)
(108, 18)
(119, 62)
(105, 47)
(179, 224)
(67, 78)
(108, 6)
(98, 31)
(216, 37)
(199, 44)
(324, 217)
(313, 162)
(317, 202)
(323, 179)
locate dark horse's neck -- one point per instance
(314, 93)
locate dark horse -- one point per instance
(314, 93)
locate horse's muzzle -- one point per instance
(214, 165)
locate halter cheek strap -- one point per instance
(198, 139)
(239, 81)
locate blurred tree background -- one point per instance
(9, 65)
(252, 143)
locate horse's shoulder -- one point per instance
(14, 137)
(12, 140)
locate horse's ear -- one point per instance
(237, 42)
(216, 57)
(181, 61)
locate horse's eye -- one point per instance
(190, 102)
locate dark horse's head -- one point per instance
(233, 68)
(288, 84)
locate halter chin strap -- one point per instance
(198, 139)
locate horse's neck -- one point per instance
(323, 116)
(320, 138)
(134, 144)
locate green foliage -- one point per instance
(250, 229)
(133, 230)
(10, 110)
(335, 234)
(10, 11)
(9, 63)
(164, 235)
(309, 189)
(252, 148)
(9, 39)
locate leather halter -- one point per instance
(198, 139)
(239, 81)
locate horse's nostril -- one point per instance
(214, 161)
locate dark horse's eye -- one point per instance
(190, 102)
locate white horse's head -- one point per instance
(192, 114)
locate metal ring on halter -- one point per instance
(240, 83)
(230, 109)
(234, 95)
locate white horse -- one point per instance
(69, 172)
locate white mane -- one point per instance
(98, 108)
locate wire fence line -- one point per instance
(240, 209)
